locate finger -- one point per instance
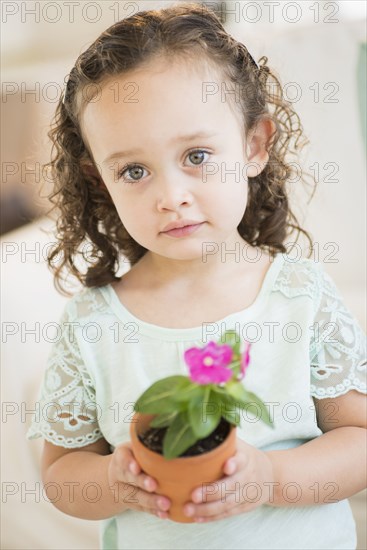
(138, 499)
(232, 511)
(230, 466)
(154, 511)
(243, 498)
(129, 470)
(223, 508)
(210, 492)
(238, 460)
(134, 467)
(133, 464)
(142, 480)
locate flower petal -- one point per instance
(193, 357)
(245, 360)
(224, 355)
(213, 375)
(208, 365)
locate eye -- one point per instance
(199, 155)
(135, 171)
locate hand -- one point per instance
(241, 490)
(133, 487)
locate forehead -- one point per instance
(160, 100)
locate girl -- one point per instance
(170, 151)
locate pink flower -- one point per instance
(208, 365)
(245, 360)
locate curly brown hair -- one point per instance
(85, 209)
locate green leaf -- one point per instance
(236, 390)
(239, 398)
(189, 392)
(204, 416)
(229, 408)
(163, 420)
(231, 416)
(179, 437)
(233, 339)
(156, 407)
(159, 397)
(248, 398)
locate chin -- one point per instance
(177, 254)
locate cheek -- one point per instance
(128, 217)
(132, 214)
(228, 199)
(124, 209)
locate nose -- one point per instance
(173, 194)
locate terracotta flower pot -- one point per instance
(179, 476)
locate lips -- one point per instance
(179, 224)
(183, 231)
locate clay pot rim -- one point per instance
(193, 459)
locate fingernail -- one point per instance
(132, 467)
(197, 497)
(231, 466)
(162, 515)
(148, 483)
(189, 510)
(163, 504)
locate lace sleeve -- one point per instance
(338, 345)
(66, 410)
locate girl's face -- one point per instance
(168, 147)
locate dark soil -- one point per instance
(153, 439)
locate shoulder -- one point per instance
(86, 303)
(302, 277)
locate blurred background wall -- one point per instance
(317, 48)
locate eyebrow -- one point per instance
(178, 139)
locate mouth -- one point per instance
(183, 231)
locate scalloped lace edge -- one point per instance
(322, 393)
(62, 441)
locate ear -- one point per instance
(260, 138)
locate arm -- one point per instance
(327, 469)
(68, 474)
(331, 467)
(94, 484)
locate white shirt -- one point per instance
(305, 343)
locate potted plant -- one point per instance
(184, 427)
